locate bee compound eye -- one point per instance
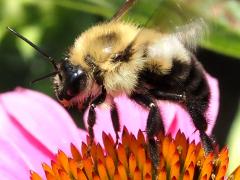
(76, 82)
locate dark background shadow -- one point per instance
(227, 71)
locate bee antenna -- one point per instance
(52, 61)
(45, 76)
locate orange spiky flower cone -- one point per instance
(130, 159)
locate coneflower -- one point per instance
(179, 159)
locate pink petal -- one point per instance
(175, 117)
(13, 161)
(37, 126)
(20, 144)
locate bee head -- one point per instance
(71, 81)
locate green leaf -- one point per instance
(223, 40)
(92, 8)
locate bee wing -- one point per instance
(123, 9)
(192, 33)
(177, 18)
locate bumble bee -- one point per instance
(117, 57)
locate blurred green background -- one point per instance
(54, 24)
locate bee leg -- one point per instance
(115, 121)
(154, 124)
(197, 111)
(92, 114)
(161, 95)
(81, 110)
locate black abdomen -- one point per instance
(188, 79)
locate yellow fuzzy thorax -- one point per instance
(92, 41)
(101, 42)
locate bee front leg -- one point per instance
(154, 124)
(92, 114)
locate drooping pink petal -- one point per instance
(36, 126)
(13, 161)
(174, 116)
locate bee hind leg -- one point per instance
(154, 124)
(197, 112)
(196, 109)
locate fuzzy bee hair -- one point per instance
(102, 45)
